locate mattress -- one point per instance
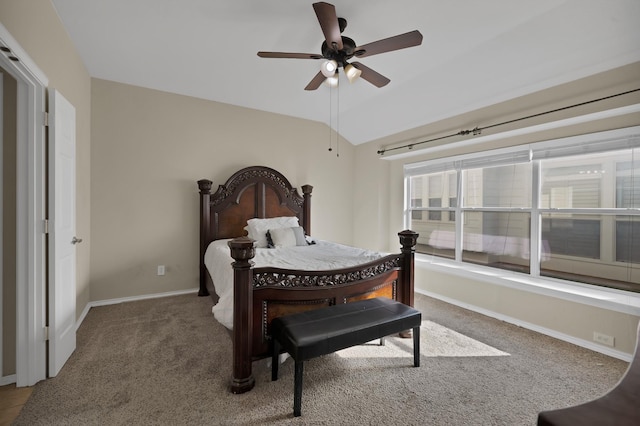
(322, 255)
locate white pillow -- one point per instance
(257, 228)
(288, 237)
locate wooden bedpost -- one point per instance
(242, 252)
(306, 221)
(408, 240)
(205, 223)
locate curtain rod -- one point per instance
(478, 130)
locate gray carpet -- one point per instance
(168, 361)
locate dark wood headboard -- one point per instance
(255, 191)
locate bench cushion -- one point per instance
(309, 334)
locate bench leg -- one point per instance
(297, 389)
(275, 359)
(382, 341)
(416, 346)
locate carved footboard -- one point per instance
(262, 294)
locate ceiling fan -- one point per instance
(337, 50)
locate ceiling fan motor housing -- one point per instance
(340, 56)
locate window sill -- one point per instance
(601, 297)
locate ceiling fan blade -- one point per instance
(402, 41)
(328, 20)
(289, 55)
(315, 82)
(371, 76)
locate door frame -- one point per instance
(1, 223)
(30, 210)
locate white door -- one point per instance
(62, 227)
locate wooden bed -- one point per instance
(261, 294)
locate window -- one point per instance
(434, 214)
(435, 196)
(566, 209)
(453, 195)
(627, 239)
(572, 184)
(416, 199)
(438, 215)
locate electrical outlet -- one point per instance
(603, 339)
(160, 270)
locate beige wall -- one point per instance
(570, 318)
(148, 150)
(577, 320)
(36, 27)
(371, 211)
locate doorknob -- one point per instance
(76, 240)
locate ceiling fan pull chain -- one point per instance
(338, 124)
(330, 117)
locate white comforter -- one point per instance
(315, 257)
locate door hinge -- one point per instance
(46, 333)
(46, 119)
(46, 226)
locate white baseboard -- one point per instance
(542, 330)
(7, 380)
(90, 305)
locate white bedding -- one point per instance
(320, 256)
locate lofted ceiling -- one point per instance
(474, 53)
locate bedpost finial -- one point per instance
(408, 239)
(205, 186)
(306, 189)
(242, 250)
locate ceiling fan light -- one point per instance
(329, 67)
(332, 81)
(352, 72)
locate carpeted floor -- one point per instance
(168, 361)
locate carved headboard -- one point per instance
(255, 191)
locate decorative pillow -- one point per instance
(287, 237)
(257, 228)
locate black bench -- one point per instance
(309, 334)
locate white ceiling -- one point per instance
(474, 53)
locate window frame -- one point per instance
(627, 138)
